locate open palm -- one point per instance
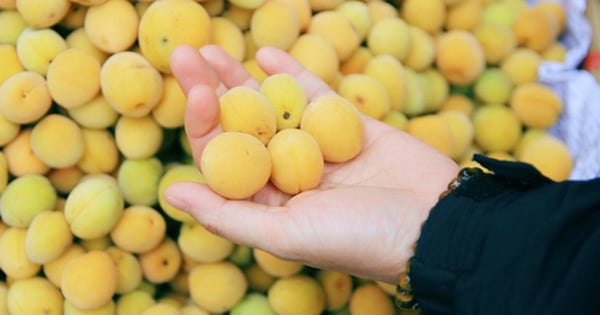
(362, 219)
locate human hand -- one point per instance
(364, 217)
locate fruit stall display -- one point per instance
(91, 134)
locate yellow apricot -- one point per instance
(48, 236)
(57, 141)
(304, 12)
(493, 86)
(24, 97)
(337, 29)
(112, 26)
(459, 102)
(274, 265)
(129, 271)
(536, 28)
(43, 14)
(169, 111)
(94, 206)
(555, 52)
(428, 15)
(14, 261)
(357, 62)
(497, 127)
(536, 105)
(358, 14)
(275, 15)
(73, 78)
(258, 279)
(287, 97)
(138, 180)
(134, 302)
(9, 64)
(369, 299)
(522, 65)
(177, 173)
(283, 296)
(390, 36)
(228, 36)
(8, 130)
(422, 50)
(75, 17)
(317, 55)
(17, 208)
(101, 154)
(135, 221)
(89, 280)
(550, 156)
(197, 242)
(368, 94)
(236, 165)
(391, 73)
(461, 129)
(11, 26)
(454, 47)
(79, 39)
(22, 293)
(96, 113)
(396, 119)
(433, 130)
(21, 159)
(161, 263)
(465, 15)
(337, 287)
(138, 137)
(497, 41)
(3, 173)
(337, 126)
(381, 9)
(217, 287)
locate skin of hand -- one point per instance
(367, 213)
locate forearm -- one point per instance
(510, 246)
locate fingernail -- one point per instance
(176, 202)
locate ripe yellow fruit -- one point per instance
(101, 154)
(357, 62)
(79, 39)
(459, 102)
(422, 49)
(64, 179)
(396, 119)
(390, 36)
(20, 157)
(428, 15)
(11, 26)
(275, 266)
(217, 287)
(258, 279)
(3, 298)
(433, 130)
(14, 261)
(17, 208)
(57, 141)
(198, 243)
(129, 271)
(247, 4)
(337, 126)
(337, 287)
(236, 165)
(112, 26)
(436, 86)
(275, 15)
(161, 308)
(144, 83)
(135, 221)
(304, 12)
(73, 78)
(24, 97)
(134, 302)
(357, 12)
(106, 309)
(381, 9)
(522, 65)
(503, 12)
(94, 206)
(323, 5)
(162, 263)
(370, 299)
(3, 173)
(555, 52)
(317, 55)
(48, 236)
(53, 270)
(43, 14)
(177, 173)
(536, 28)
(253, 303)
(99, 243)
(454, 47)
(367, 93)
(167, 24)
(390, 72)
(415, 97)
(246, 110)
(138, 180)
(497, 41)
(287, 97)
(536, 105)
(337, 29)
(89, 280)
(228, 36)
(96, 114)
(465, 15)
(497, 127)
(297, 161)
(297, 295)
(493, 86)
(9, 64)
(138, 137)
(461, 129)
(34, 296)
(8, 130)
(75, 17)
(550, 156)
(169, 111)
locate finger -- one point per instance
(201, 118)
(230, 71)
(273, 60)
(243, 222)
(190, 69)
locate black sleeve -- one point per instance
(511, 243)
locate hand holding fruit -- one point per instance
(363, 217)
